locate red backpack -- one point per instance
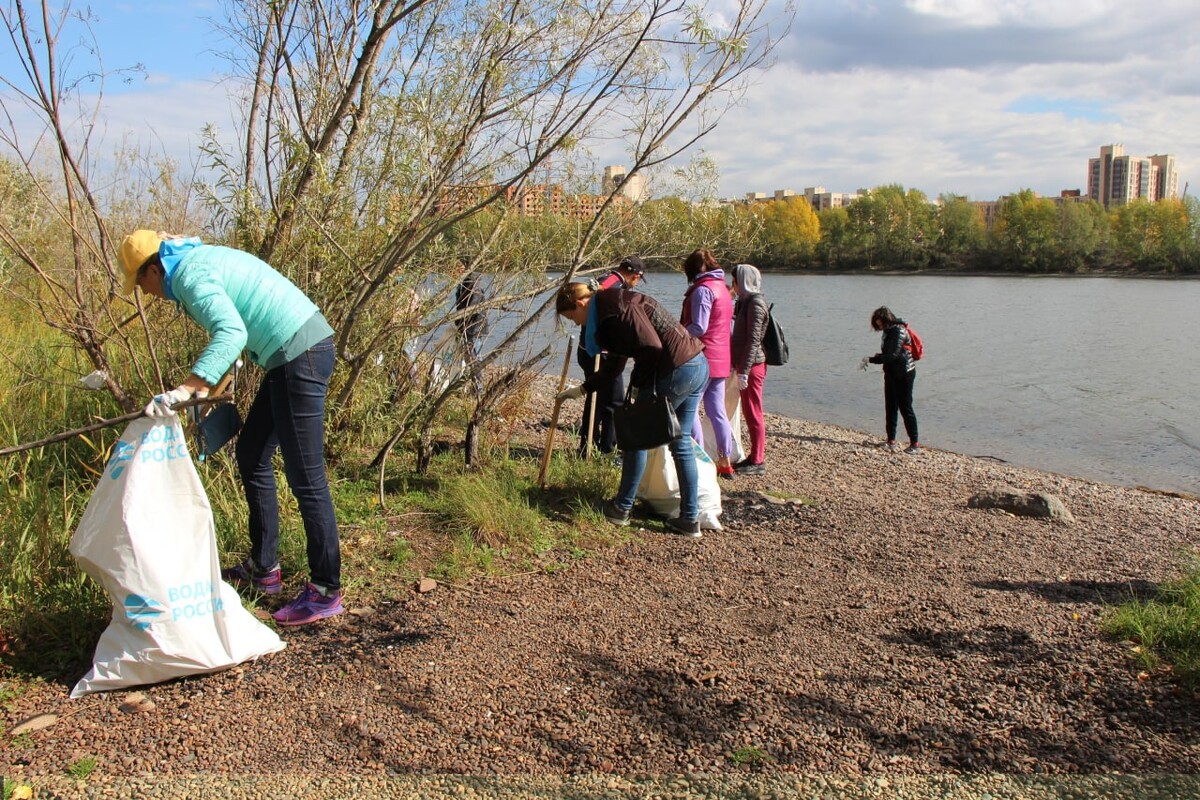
(915, 347)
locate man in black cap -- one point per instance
(628, 274)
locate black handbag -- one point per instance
(645, 423)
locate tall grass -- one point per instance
(1167, 627)
(43, 597)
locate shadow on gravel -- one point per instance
(1001, 644)
(1106, 593)
(682, 708)
(1031, 704)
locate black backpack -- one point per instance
(774, 343)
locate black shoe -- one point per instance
(749, 468)
(615, 515)
(689, 529)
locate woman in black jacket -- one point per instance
(899, 375)
(750, 362)
(666, 359)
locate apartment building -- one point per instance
(816, 196)
(1115, 177)
(545, 198)
(631, 187)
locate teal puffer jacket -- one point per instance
(243, 304)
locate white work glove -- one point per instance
(160, 405)
(571, 393)
(866, 362)
(743, 381)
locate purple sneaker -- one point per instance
(247, 574)
(309, 606)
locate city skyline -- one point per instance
(1113, 178)
(961, 97)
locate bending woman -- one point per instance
(899, 375)
(667, 359)
(243, 303)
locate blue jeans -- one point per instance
(683, 387)
(288, 414)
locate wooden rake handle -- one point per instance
(562, 382)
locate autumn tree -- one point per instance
(834, 249)
(892, 227)
(961, 233)
(1025, 233)
(790, 232)
(1082, 235)
(1152, 236)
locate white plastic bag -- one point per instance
(733, 411)
(147, 537)
(660, 486)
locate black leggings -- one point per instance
(897, 396)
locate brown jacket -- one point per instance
(632, 325)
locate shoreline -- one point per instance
(544, 391)
(969, 273)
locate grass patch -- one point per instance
(749, 755)
(11, 790)
(82, 769)
(1165, 629)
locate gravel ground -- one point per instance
(879, 639)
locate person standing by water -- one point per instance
(243, 303)
(666, 359)
(745, 345)
(609, 396)
(707, 315)
(899, 375)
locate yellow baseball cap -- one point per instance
(135, 251)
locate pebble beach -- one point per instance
(856, 629)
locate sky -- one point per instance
(971, 97)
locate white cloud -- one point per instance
(983, 13)
(977, 98)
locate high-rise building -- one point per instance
(632, 187)
(1115, 178)
(1168, 176)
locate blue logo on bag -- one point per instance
(122, 454)
(142, 611)
(160, 444)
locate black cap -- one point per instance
(635, 265)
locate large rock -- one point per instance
(1023, 504)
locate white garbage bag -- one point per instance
(733, 411)
(147, 537)
(660, 486)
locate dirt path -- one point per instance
(882, 631)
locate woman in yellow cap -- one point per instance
(245, 304)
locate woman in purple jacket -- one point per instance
(708, 315)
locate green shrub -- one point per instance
(1165, 628)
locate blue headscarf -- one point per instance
(171, 252)
(589, 330)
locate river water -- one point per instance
(1093, 377)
